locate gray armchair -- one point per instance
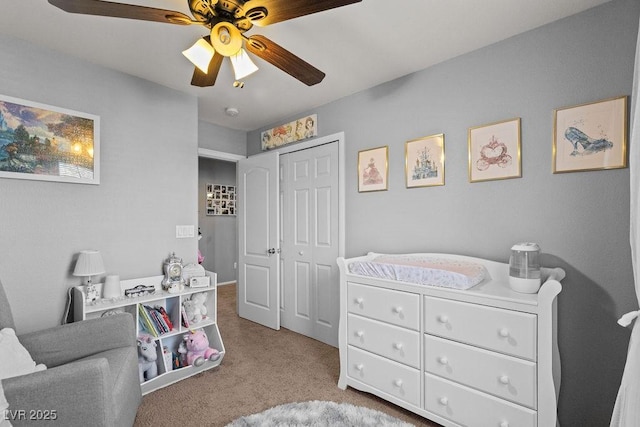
(91, 377)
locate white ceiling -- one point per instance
(358, 46)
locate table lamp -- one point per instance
(89, 264)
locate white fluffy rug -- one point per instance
(317, 414)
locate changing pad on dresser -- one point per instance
(422, 270)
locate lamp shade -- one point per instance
(242, 65)
(89, 264)
(200, 54)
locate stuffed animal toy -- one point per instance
(195, 308)
(190, 312)
(147, 356)
(198, 349)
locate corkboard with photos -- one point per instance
(221, 199)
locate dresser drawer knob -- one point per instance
(397, 383)
(443, 318)
(504, 332)
(504, 424)
(359, 301)
(359, 367)
(360, 334)
(443, 360)
(443, 401)
(397, 310)
(398, 345)
(504, 379)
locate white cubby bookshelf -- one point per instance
(172, 302)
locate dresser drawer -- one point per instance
(399, 344)
(503, 376)
(396, 307)
(472, 408)
(509, 332)
(385, 375)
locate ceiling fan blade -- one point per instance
(121, 10)
(209, 79)
(283, 59)
(282, 10)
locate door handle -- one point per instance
(271, 251)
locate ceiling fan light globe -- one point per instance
(200, 54)
(243, 66)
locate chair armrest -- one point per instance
(76, 394)
(73, 341)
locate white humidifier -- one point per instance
(524, 268)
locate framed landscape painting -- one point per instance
(590, 136)
(46, 143)
(424, 161)
(373, 169)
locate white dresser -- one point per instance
(486, 356)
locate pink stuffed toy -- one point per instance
(198, 349)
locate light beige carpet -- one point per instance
(262, 368)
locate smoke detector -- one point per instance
(231, 111)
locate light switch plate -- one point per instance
(185, 231)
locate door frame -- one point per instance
(219, 155)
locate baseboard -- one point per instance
(233, 282)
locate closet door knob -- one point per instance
(443, 401)
(504, 332)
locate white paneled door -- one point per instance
(309, 197)
(259, 252)
(290, 210)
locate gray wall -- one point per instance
(149, 142)
(219, 243)
(218, 138)
(581, 220)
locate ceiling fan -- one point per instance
(227, 21)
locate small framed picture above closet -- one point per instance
(221, 199)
